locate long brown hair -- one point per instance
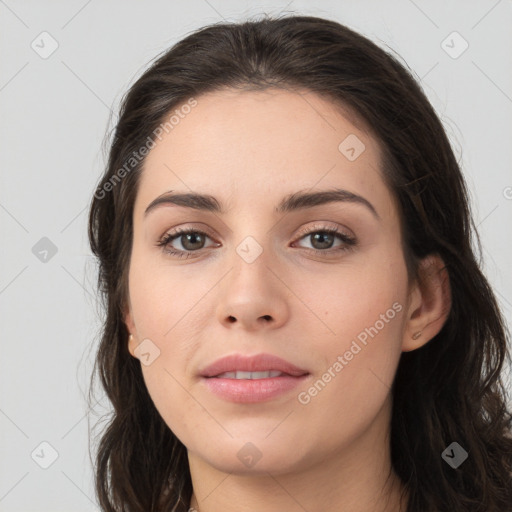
(448, 390)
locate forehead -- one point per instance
(261, 145)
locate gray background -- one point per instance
(55, 111)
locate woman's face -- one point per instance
(267, 277)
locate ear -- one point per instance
(130, 325)
(429, 303)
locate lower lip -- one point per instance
(252, 390)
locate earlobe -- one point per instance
(132, 345)
(130, 325)
(430, 303)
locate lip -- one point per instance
(252, 390)
(256, 363)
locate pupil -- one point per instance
(322, 236)
(192, 236)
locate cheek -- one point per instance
(359, 338)
(354, 299)
(167, 301)
(167, 306)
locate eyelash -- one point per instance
(349, 241)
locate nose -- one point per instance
(253, 297)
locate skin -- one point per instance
(249, 150)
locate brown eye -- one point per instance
(191, 240)
(322, 240)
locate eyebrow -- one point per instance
(293, 202)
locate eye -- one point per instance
(191, 240)
(322, 238)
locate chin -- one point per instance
(250, 456)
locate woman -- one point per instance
(295, 317)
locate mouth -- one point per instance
(250, 379)
(259, 366)
(241, 375)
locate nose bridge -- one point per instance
(251, 262)
(252, 294)
(250, 240)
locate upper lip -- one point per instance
(256, 363)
